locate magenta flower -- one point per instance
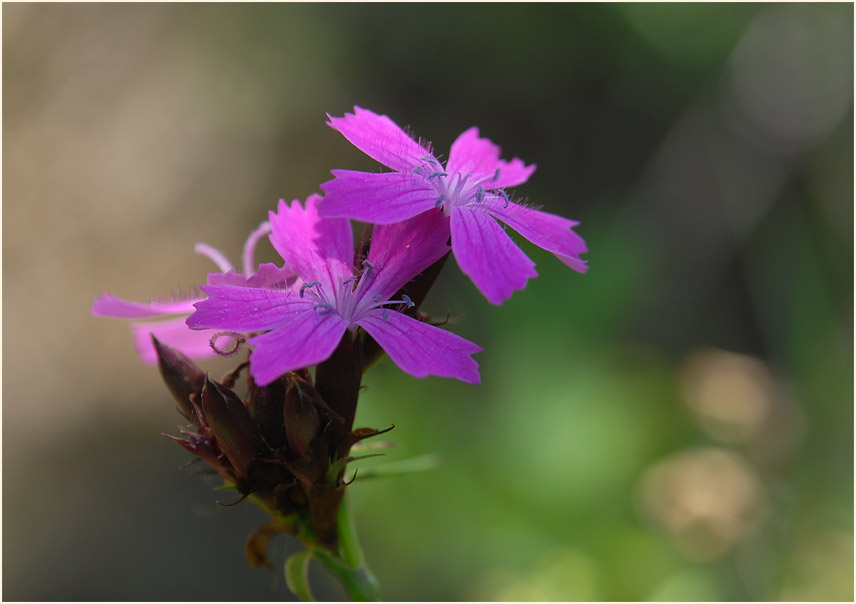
(173, 331)
(305, 324)
(470, 189)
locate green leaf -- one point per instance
(297, 575)
(405, 466)
(335, 468)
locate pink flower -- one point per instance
(470, 189)
(174, 331)
(305, 324)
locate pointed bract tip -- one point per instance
(181, 375)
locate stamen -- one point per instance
(326, 309)
(495, 176)
(237, 341)
(436, 174)
(405, 299)
(377, 298)
(369, 268)
(479, 194)
(429, 158)
(214, 255)
(460, 186)
(439, 200)
(248, 257)
(504, 196)
(385, 315)
(310, 284)
(350, 279)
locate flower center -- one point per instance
(454, 189)
(349, 299)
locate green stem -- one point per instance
(358, 583)
(349, 544)
(350, 568)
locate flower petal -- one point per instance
(574, 262)
(380, 138)
(269, 276)
(109, 305)
(547, 231)
(480, 157)
(308, 339)
(376, 198)
(316, 248)
(245, 309)
(487, 255)
(421, 349)
(227, 278)
(401, 251)
(174, 333)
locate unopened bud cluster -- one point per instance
(280, 444)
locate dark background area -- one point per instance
(677, 424)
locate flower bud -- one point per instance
(182, 376)
(230, 421)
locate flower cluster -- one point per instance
(336, 307)
(301, 310)
(304, 323)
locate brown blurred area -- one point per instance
(677, 424)
(130, 132)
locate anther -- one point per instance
(377, 298)
(479, 194)
(439, 200)
(350, 279)
(310, 284)
(369, 268)
(436, 174)
(504, 196)
(326, 309)
(385, 315)
(407, 300)
(429, 158)
(495, 176)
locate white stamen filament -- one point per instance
(248, 256)
(215, 255)
(350, 302)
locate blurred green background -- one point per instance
(675, 425)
